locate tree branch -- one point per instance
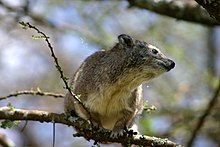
(32, 92)
(201, 121)
(179, 9)
(26, 11)
(99, 136)
(212, 6)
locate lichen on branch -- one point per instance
(7, 113)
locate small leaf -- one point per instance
(10, 106)
(66, 78)
(145, 105)
(78, 95)
(153, 107)
(23, 25)
(39, 37)
(16, 123)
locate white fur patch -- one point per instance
(152, 47)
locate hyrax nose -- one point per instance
(171, 64)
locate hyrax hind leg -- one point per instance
(93, 117)
(122, 123)
(95, 120)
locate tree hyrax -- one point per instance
(109, 83)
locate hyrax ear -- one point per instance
(125, 40)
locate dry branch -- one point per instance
(25, 10)
(212, 6)
(179, 9)
(32, 92)
(201, 121)
(7, 113)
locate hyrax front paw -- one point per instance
(95, 125)
(117, 133)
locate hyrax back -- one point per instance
(109, 83)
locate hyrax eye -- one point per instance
(154, 51)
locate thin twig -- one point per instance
(64, 79)
(54, 134)
(25, 125)
(201, 121)
(32, 92)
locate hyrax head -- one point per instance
(144, 56)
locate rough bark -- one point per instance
(7, 113)
(212, 6)
(186, 10)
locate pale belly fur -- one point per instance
(109, 105)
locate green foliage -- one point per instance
(9, 124)
(10, 106)
(149, 109)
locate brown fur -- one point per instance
(109, 83)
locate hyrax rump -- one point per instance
(109, 83)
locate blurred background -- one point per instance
(78, 28)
